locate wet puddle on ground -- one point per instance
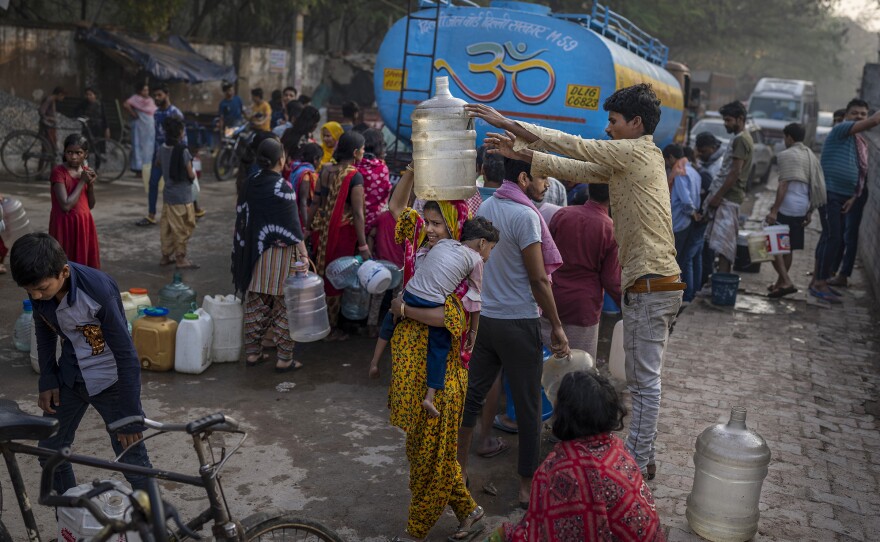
(756, 304)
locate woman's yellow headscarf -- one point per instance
(336, 130)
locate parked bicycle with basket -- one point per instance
(145, 512)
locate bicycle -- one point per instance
(28, 155)
(149, 513)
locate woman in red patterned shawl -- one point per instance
(588, 487)
(337, 221)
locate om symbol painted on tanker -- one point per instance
(498, 67)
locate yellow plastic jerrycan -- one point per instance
(154, 339)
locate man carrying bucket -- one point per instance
(801, 190)
(633, 167)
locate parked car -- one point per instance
(826, 119)
(762, 156)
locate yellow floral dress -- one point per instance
(435, 478)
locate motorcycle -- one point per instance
(232, 144)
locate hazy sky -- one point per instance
(867, 12)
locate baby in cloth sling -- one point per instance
(438, 273)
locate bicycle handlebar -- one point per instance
(214, 422)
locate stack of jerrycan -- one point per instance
(193, 342)
(227, 316)
(155, 337)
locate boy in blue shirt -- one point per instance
(231, 108)
(98, 364)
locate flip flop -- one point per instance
(498, 424)
(499, 448)
(780, 292)
(261, 359)
(825, 296)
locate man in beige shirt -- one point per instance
(633, 167)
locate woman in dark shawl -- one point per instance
(268, 242)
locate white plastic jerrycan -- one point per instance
(80, 524)
(193, 347)
(227, 314)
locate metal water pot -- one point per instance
(730, 465)
(444, 147)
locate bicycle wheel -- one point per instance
(278, 525)
(226, 164)
(109, 159)
(27, 155)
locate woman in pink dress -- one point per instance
(73, 197)
(377, 184)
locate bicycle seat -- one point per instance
(17, 425)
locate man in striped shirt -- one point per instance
(840, 164)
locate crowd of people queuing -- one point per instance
(557, 222)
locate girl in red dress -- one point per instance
(73, 197)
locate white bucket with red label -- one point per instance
(778, 239)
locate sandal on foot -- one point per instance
(828, 297)
(650, 471)
(186, 264)
(293, 365)
(166, 260)
(469, 528)
(781, 292)
(146, 221)
(499, 446)
(261, 358)
(499, 424)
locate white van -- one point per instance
(776, 103)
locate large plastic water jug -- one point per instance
(730, 464)
(343, 272)
(79, 524)
(306, 305)
(132, 299)
(374, 277)
(155, 337)
(21, 335)
(177, 297)
(555, 368)
(15, 221)
(193, 347)
(227, 315)
(35, 358)
(396, 273)
(355, 303)
(444, 147)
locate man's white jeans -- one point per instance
(646, 321)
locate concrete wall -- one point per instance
(869, 235)
(33, 60)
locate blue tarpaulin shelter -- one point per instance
(172, 60)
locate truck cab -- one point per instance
(776, 103)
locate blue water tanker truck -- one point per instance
(552, 69)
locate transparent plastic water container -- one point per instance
(343, 272)
(396, 273)
(355, 303)
(177, 297)
(21, 335)
(306, 305)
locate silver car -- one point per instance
(762, 155)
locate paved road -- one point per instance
(807, 375)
